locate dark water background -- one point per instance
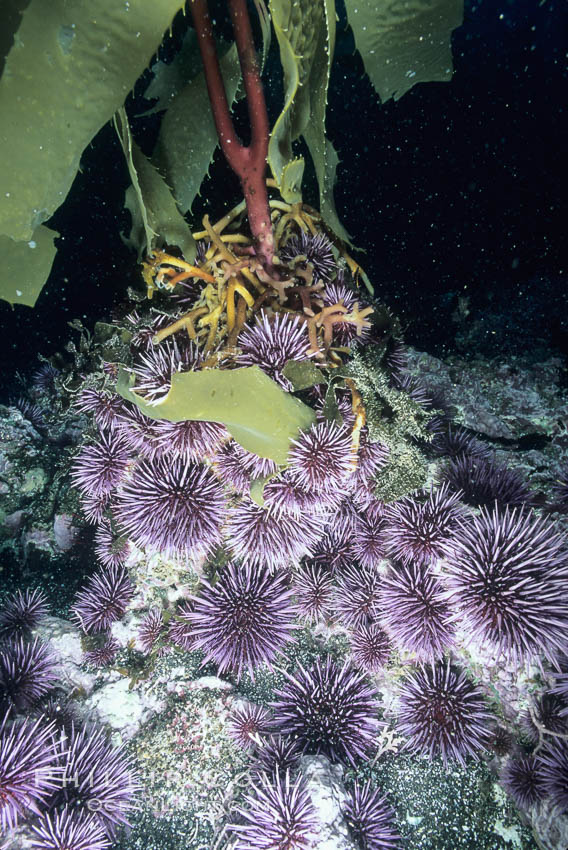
(457, 191)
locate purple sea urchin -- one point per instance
(243, 621)
(321, 459)
(479, 481)
(22, 612)
(315, 249)
(248, 723)
(417, 528)
(278, 814)
(554, 760)
(106, 408)
(508, 571)
(414, 610)
(356, 597)
(98, 777)
(455, 441)
(271, 343)
(151, 629)
(522, 779)
(111, 549)
(370, 647)
(189, 440)
(172, 507)
(549, 712)
(97, 469)
(155, 366)
(103, 600)
(103, 655)
(277, 754)
(442, 712)
(371, 819)
(28, 771)
(27, 672)
(66, 830)
(330, 710)
(313, 589)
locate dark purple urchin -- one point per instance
(554, 772)
(507, 570)
(190, 440)
(28, 771)
(266, 538)
(98, 777)
(22, 612)
(277, 754)
(172, 507)
(329, 709)
(560, 489)
(97, 469)
(479, 481)
(370, 647)
(313, 588)
(371, 819)
(549, 712)
(30, 411)
(106, 408)
(356, 597)
(418, 528)
(67, 830)
(522, 779)
(322, 459)
(43, 379)
(414, 611)
(27, 672)
(111, 549)
(314, 248)
(279, 815)
(103, 655)
(103, 600)
(442, 712)
(368, 541)
(244, 620)
(271, 343)
(248, 724)
(455, 441)
(151, 630)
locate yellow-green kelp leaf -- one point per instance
(70, 68)
(404, 43)
(188, 137)
(26, 266)
(156, 220)
(306, 37)
(254, 409)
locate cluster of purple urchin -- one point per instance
(412, 576)
(61, 776)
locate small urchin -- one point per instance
(248, 724)
(27, 672)
(244, 620)
(23, 610)
(313, 588)
(28, 768)
(322, 459)
(67, 830)
(329, 709)
(507, 571)
(441, 712)
(554, 761)
(103, 600)
(173, 507)
(356, 596)
(370, 647)
(271, 343)
(414, 610)
(98, 468)
(279, 815)
(418, 527)
(522, 778)
(370, 818)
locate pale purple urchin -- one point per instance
(172, 507)
(507, 570)
(28, 768)
(441, 712)
(111, 549)
(99, 777)
(371, 819)
(278, 814)
(522, 778)
(554, 760)
(155, 367)
(314, 248)
(329, 709)
(356, 597)
(313, 589)
(263, 537)
(138, 432)
(22, 612)
(370, 647)
(414, 611)
(271, 343)
(244, 620)
(284, 495)
(187, 440)
(94, 507)
(335, 550)
(419, 528)
(98, 469)
(248, 724)
(103, 655)
(27, 672)
(322, 459)
(368, 540)
(345, 333)
(106, 408)
(151, 629)
(103, 600)
(44, 377)
(67, 830)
